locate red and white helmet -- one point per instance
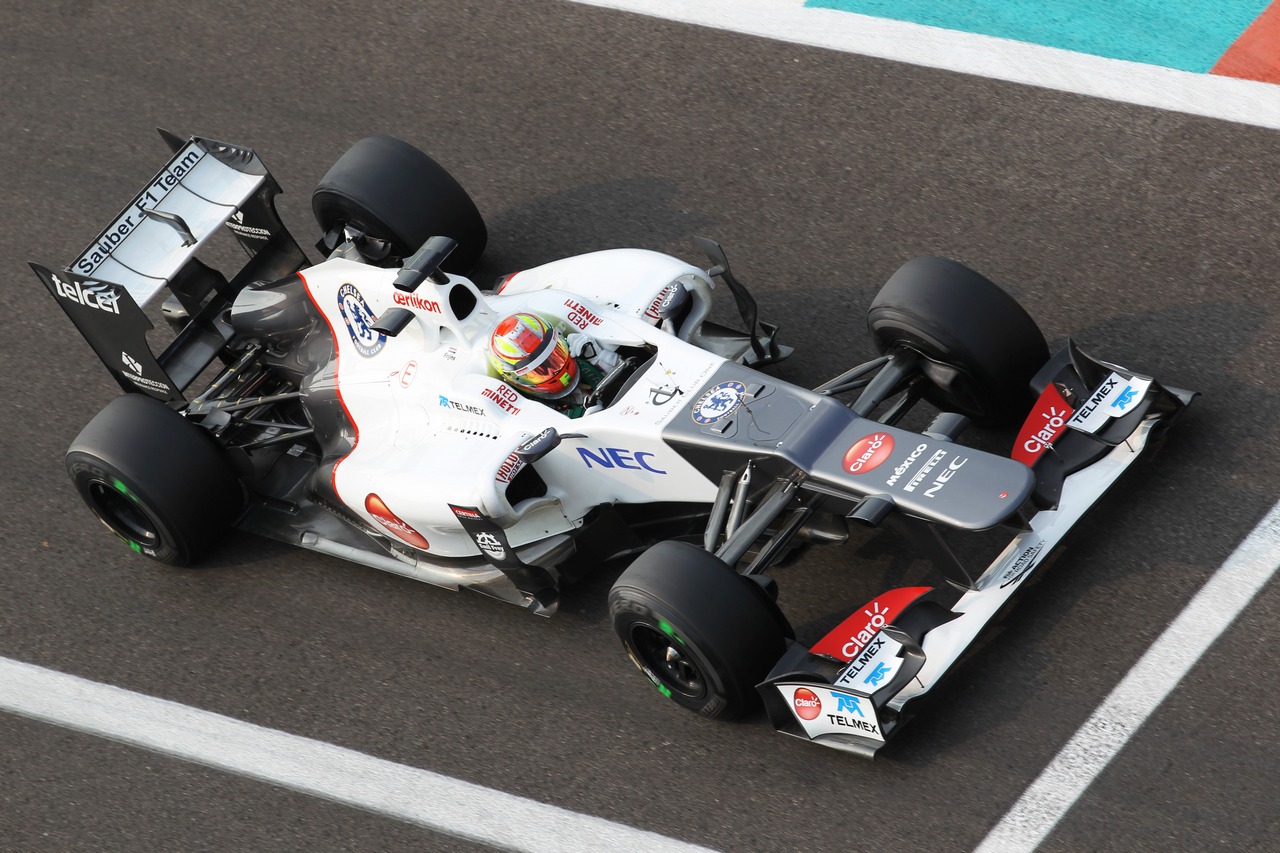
(528, 352)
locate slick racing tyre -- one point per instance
(394, 193)
(157, 481)
(704, 635)
(980, 347)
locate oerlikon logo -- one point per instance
(868, 452)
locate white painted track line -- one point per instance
(1165, 664)
(440, 803)
(1210, 95)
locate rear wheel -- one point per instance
(394, 193)
(980, 347)
(704, 635)
(160, 483)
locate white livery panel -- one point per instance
(435, 427)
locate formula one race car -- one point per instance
(352, 407)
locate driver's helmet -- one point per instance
(528, 352)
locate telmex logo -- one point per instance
(807, 704)
(868, 452)
(1125, 397)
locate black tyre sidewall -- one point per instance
(171, 471)
(956, 317)
(390, 190)
(724, 623)
(89, 472)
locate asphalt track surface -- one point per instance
(1147, 236)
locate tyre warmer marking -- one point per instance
(337, 388)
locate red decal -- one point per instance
(652, 311)
(807, 703)
(1253, 56)
(504, 281)
(511, 466)
(1046, 422)
(382, 514)
(851, 635)
(868, 452)
(407, 373)
(580, 315)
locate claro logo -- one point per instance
(382, 514)
(807, 704)
(868, 452)
(1043, 426)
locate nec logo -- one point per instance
(616, 457)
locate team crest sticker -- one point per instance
(719, 403)
(359, 320)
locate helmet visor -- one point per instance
(554, 373)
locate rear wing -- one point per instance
(152, 244)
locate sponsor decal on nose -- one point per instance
(868, 452)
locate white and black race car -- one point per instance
(349, 407)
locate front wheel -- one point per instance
(980, 347)
(704, 635)
(157, 481)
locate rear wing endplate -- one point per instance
(152, 244)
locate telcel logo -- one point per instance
(92, 294)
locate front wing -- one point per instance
(852, 690)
